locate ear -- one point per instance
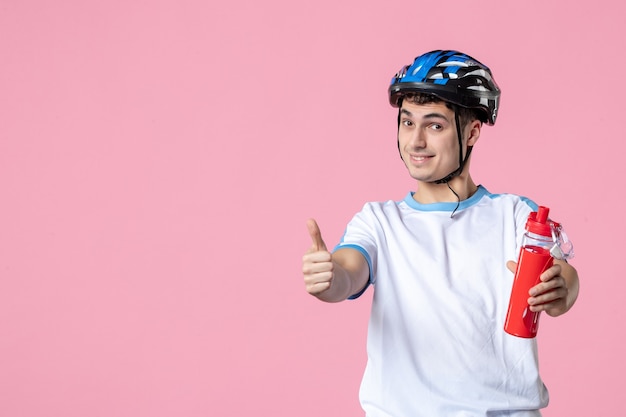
(474, 132)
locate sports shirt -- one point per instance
(436, 344)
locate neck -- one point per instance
(428, 192)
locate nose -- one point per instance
(415, 139)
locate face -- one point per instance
(428, 140)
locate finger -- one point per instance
(550, 308)
(315, 262)
(545, 286)
(318, 277)
(550, 273)
(548, 296)
(553, 308)
(316, 235)
(317, 282)
(317, 288)
(512, 266)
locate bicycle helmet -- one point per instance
(452, 76)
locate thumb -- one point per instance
(511, 265)
(316, 235)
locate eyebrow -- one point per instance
(426, 116)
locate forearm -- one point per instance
(350, 276)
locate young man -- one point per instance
(440, 262)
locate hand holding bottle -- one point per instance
(550, 295)
(534, 259)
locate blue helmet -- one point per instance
(452, 76)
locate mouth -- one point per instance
(420, 158)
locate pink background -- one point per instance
(158, 160)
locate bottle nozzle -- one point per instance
(542, 214)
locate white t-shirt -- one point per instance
(436, 344)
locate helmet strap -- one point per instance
(462, 160)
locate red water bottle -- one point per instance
(534, 258)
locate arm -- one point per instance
(558, 290)
(332, 277)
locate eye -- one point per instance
(436, 126)
(407, 122)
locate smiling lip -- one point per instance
(419, 158)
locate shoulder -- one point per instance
(510, 198)
(510, 205)
(384, 207)
(377, 215)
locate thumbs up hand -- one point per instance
(317, 264)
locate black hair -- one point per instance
(465, 114)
